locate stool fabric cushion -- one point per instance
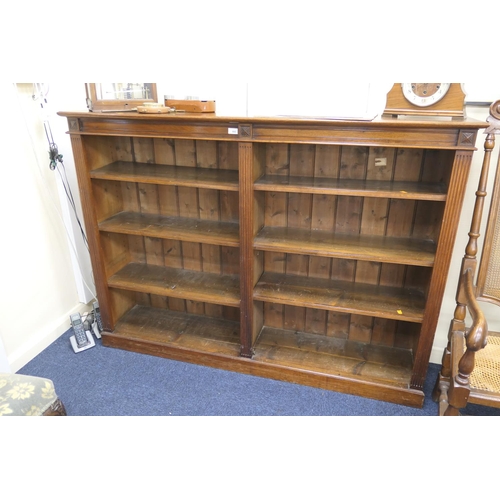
(25, 395)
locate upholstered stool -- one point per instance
(28, 396)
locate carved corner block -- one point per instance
(467, 138)
(245, 131)
(74, 124)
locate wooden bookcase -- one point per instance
(310, 251)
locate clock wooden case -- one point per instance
(309, 251)
(443, 100)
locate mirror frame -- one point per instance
(95, 104)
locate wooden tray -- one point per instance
(154, 109)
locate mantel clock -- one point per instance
(425, 99)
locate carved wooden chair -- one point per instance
(470, 370)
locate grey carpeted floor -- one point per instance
(105, 381)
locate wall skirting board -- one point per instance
(43, 338)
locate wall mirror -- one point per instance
(119, 96)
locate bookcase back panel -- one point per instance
(215, 259)
(376, 273)
(377, 331)
(354, 215)
(102, 150)
(187, 306)
(358, 162)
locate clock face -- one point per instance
(424, 94)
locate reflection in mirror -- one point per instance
(115, 97)
(111, 91)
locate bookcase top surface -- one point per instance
(402, 121)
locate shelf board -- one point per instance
(361, 247)
(346, 297)
(315, 360)
(149, 173)
(352, 187)
(180, 283)
(333, 356)
(176, 228)
(179, 330)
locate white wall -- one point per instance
(60, 96)
(4, 360)
(44, 283)
(38, 291)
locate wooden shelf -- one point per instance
(170, 330)
(181, 228)
(315, 360)
(368, 248)
(352, 187)
(163, 328)
(334, 356)
(180, 283)
(208, 178)
(346, 297)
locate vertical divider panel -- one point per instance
(245, 163)
(258, 213)
(250, 166)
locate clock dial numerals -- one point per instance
(424, 94)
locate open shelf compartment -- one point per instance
(334, 357)
(165, 330)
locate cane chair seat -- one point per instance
(486, 373)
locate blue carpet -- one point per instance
(104, 381)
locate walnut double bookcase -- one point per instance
(310, 251)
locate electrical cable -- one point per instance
(69, 195)
(55, 158)
(48, 189)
